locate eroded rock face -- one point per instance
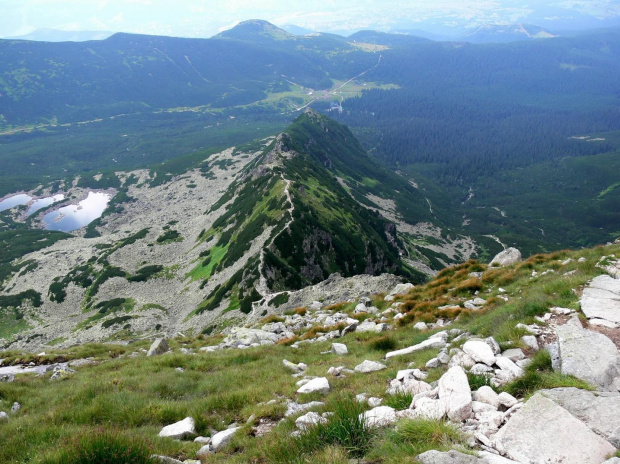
(507, 257)
(588, 355)
(543, 431)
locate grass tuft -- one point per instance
(103, 447)
(385, 343)
(540, 375)
(415, 436)
(344, 428)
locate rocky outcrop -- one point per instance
(600, 411)
(542, 431)
(506, 258)
(588, 355)
(600, 301)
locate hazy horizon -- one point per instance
(200, 18)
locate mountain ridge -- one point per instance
(241, 232)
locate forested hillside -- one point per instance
(469, 124)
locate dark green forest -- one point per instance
(490, 117)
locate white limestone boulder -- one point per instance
(542, 432)
(455, 392)
(479, 351)
(380, 416)
(506, 258)
(318, 385)
(486, 394)
(369, 366)
(221, 439)
(601, 300)
(600, 411)
(179, 430)
(588, 355)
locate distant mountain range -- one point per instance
(56, 35)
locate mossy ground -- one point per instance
(127, 400)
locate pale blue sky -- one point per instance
(204, 18)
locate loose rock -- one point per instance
(320, 385)
(221, 439)
(369, 366)
(339, 349)
(179, 430)
(159, 346)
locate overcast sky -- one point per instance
(204, 18)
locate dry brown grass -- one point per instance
(271, 318)
(287, 341)
(337, 307)
(321, 329)
(471, 286)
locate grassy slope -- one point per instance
(127, 400)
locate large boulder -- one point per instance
(542, 432)
(221, 439)
(380, 416)
(320, 385)
(479, 351)
(159, 346)
(506, 258)
(370, 366)
(179, 430)
(455, 392)
(588, 355)
(401, 289)
(600, 411)
(486, 394)
(600, 301)
(339, 349)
